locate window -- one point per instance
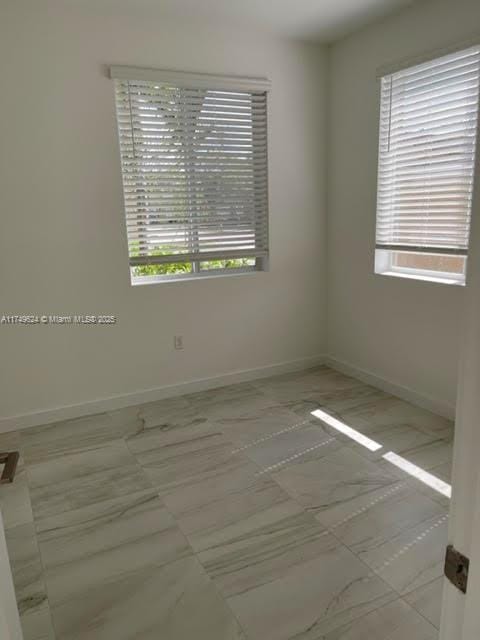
(428, 129)
(194, 164)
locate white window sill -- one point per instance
(191, 277)
(423, 277)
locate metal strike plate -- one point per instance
(456, 568)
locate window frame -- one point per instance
(213, 83)
(384, 267)
(384, 257)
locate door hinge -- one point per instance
(456, 568)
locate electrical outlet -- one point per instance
(178, 342)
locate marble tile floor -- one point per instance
(232, 514)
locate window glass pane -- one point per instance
(427, 262)
(170, 268)
(233, 263)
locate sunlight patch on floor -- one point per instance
(420, 474)
(346, 430)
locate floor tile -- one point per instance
(384, 409)
(215, 509)
(182, 458)
(107, 540)
(432, 458)
(37, 624)
(29, 582)
(374, 519)
(80, 479)
(376, 409)
(258, 423)
(432, 455)
(184, 517)
(291, 447)
(151, 445)
(65, 438)
(402, 439)
(311, 598)
(125, 422)
(228, 402)
(174, 602)
(394, 621)
(432, 423)
(285, 388)
(338, 478)
(262, 547)
(334, 401)
(15, 500)
(413, 558)
(427, 600)
(444, 473)
(171, 413)
(10, 441)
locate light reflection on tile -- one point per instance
(338, 478)
(346, 430)
(376, 518)
(420, 474)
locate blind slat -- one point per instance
(428, 129)
(194, 165)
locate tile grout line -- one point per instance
(327, 531)
(296, 456)
(414, 607)
(220, 594)
(406, 548)
(358, 512)
(371, 573)
(184, 535)
(271, 436)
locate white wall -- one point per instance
(402, 330)
(62, 242)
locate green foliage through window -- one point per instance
(174, 268)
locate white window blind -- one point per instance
(194, 164)
(428, 128)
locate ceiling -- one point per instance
(314, 20)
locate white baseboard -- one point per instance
(25, 421)
(440, 407)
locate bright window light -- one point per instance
(422, 475)
(346, 430)
(426, 168)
